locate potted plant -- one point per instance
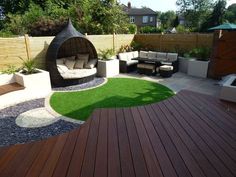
(7, 75)
(108, 65)
(33, 78)
(198, 65)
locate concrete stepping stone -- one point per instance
(35, 118)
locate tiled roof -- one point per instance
(139, 11)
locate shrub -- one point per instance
(11, 69)
(47, 27)
(125, 48)
(106, 54)
(149, 29)
(136, 46)
(201, 53)
(132, 29)
(182, 29)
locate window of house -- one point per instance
(151, 19)
(131, 19)
(145, 19)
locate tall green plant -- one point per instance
(28, 66)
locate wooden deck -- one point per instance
(188, 135)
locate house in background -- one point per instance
(141, 16)
(2, 17)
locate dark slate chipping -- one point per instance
(96, 82)
(10, 133)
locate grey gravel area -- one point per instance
(11, 134)
(96, 82)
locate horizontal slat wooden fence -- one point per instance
(13, 48)
(174, 42)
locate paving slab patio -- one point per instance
(181, 81)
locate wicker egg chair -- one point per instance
(69, 42)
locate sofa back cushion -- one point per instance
(135, 54)
(172, 57)
(152, 55)
(143, 54)
(161, 56)
(129, 55)
(123, 56)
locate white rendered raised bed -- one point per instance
(228, 91)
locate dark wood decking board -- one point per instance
(10, 88)
(188, 135)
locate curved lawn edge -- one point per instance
(115, 93)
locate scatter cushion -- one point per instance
(91, 64)
(135, 54)
(62, 68)
(60, 61)
(143, 54)
(152, 55)
(84, 57)
(161, 56)
(79, 64)
(70, 63)
(172, 57)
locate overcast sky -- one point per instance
(159, 5)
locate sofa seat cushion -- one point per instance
(131, 62)
(166, 68)
(62, 68)
(78, 73)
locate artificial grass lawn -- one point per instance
(117, 92)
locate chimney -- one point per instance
(129, 5)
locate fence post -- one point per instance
(161, 41)
(27, 46)
(113, 41)
(197, 40)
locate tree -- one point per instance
(217, 16)
(167, 19)
(194, 11)
(230, 14)
(88, 16)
